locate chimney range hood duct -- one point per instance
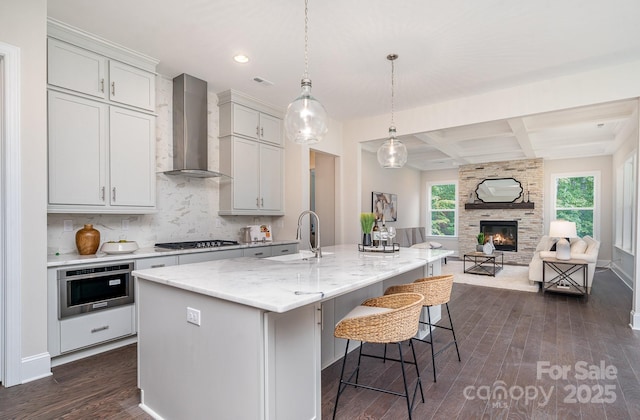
(190, 134)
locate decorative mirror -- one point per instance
(500, 190)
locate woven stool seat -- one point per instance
(436, 291)
(385, 319)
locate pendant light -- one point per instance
(393, 153)
(306, 119)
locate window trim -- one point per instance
(625, 220)
(596, 196)
(430, 185)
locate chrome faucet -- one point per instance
(316, 251)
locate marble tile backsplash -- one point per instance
(187, 208)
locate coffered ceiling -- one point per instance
(580, 132)
(447, 49)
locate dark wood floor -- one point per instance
(503, 336)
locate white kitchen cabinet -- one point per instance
(131, 86)
(284, 249)
(132, 158)
(98, 327)
(198, 257)
(101, 148)
(257, 171)
(259, 252)
(83, 71)
(251, 152)
(256, 125)
(78, 131)
(76, 69)
(156, 262)
(101, 158)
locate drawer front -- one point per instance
(156, 262)
(284, 249)
(209, 256)
(90, 329)
(260, 252)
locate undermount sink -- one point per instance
(301, 255)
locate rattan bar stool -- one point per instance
(385, 319)
(436, 291)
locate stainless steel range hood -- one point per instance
(190, 134)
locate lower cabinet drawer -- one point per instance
(284, 249)
(93, 328)
(259, 252)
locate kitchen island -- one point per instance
(243, 338)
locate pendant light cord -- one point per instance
(392, 89)
(306, 39)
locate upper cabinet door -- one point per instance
(76, 69)
(132, 158)
(131, 86)
(271, 129)
(245, 121)
(77, 150)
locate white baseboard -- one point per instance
(35, 367)
(635, 320)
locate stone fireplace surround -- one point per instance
(530, 173)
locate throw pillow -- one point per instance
(578, 246)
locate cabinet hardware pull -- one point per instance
(284, 250)
(113, 88)
(114, 194)
(157, 266)
(102, 85)
(258, 253)
(262, 202)
(95, 330)
(261, 132)
(103, 193)
(257, 201)
(257, 131)
(321, 319)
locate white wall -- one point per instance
(23, 24)
(404, 182)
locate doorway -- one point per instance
(322, 196)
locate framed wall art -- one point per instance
(384, 205)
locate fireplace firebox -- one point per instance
(504, 233)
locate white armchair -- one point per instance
(585, 249)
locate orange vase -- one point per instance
(87, 240)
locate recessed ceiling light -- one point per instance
(241, 58)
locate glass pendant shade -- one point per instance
(306, 119)
(393, 153)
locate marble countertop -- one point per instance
(283, 283)
(99, 257)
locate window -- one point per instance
(576, 200)
(442, 212)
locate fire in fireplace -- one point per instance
(504, 233)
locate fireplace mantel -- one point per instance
(483, 206)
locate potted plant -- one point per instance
(366, 223)
(480, 239)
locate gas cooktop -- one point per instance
(209, 243)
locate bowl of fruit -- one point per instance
(119, 247)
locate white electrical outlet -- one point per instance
(125, 224)
(68, 225)
(218, 222)
(193, 316)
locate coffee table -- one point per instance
(483, 264)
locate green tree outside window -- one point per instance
(575, 202)
(443, 209)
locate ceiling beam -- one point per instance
(522, 136)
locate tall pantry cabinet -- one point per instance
(101, 146)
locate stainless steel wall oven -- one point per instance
(91, 288)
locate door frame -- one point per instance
(10, 219)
